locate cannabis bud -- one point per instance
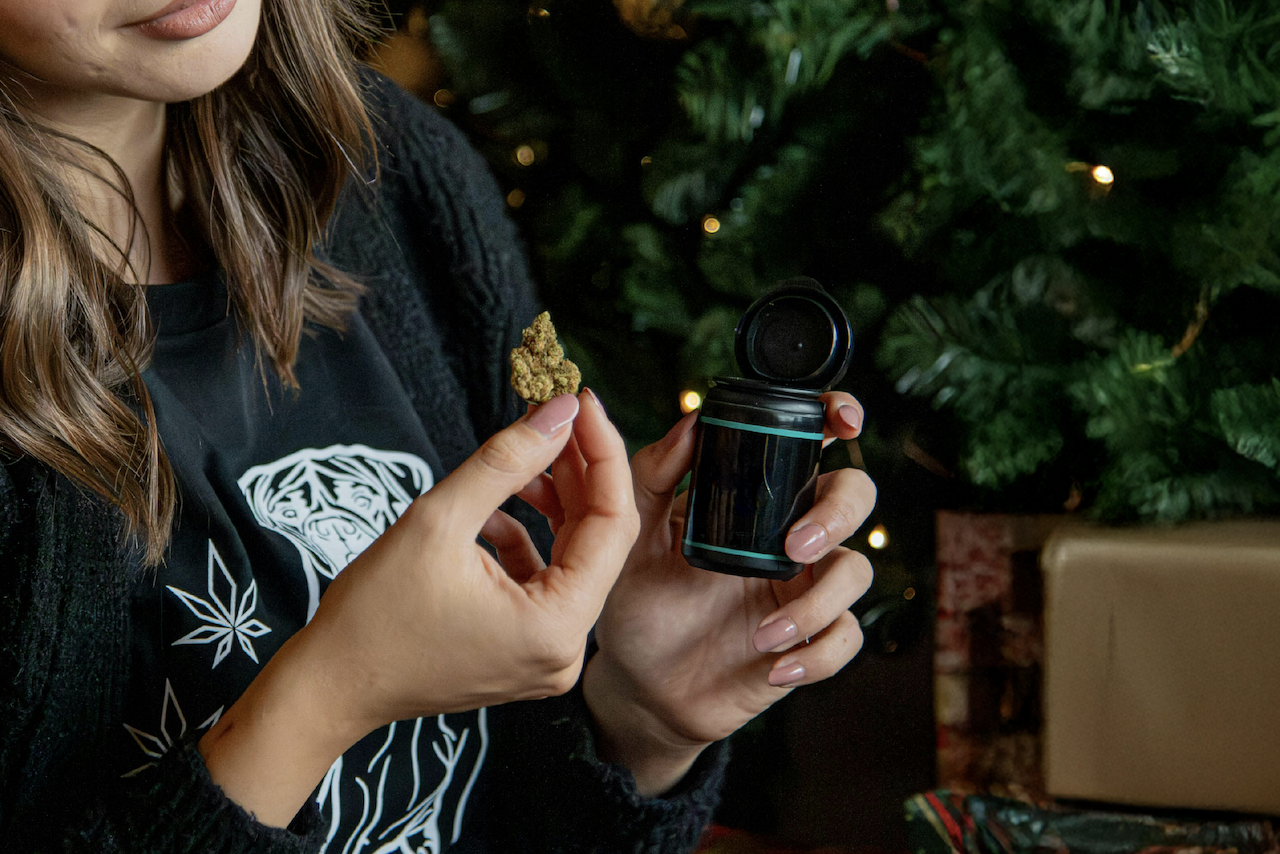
(539, 370)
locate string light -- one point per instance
(689, 401)
(525, 155)
(1099, 173)
(1103, 178)
(710, 224)
(515, 198)
(878, 538)
(417, 23)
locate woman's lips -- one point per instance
(186, 19)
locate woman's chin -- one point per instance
(182, 70)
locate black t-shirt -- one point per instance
(280, 490)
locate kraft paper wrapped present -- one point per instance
(1162, 666)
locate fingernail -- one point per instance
(850, 415)
(773, 635)
(551, 417)
(786, 675)
(681, 427)
(804, 543)
(596, 398)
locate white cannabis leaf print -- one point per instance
(224, 619)
(172, 729)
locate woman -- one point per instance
(243, 608)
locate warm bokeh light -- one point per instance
(515, 198)
(443, 98)
(909, 593)
(1103, 175)
(525, 155)
(646, 160)
(878, 538)
(689, 401)
(710, 224)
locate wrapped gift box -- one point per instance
(1162, 666)
(988, 651)
(945, 822)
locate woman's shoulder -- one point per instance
(412, 135)
(388, 102)
(422, 171)
(28, 496)
(35, 501)
(8, 504)
(22, 482)
(435, 198)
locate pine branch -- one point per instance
(1193, 328)
(1248, 416)
(1130, 303)
(731, 87)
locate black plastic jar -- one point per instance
(759, 437)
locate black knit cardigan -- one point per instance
(448, 290)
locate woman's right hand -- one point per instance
(425, 621)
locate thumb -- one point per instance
(504, 464)
(659, 468)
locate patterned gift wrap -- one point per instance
(947, 822)
(989, 651)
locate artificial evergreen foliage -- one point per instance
(1109, 342)
(685, 157)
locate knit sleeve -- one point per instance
(176, 807)
(563, 798)
(62, 604)
(549, 791)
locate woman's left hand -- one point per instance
(688, 656)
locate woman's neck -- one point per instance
(132, 134)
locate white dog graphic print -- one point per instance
(331, 503)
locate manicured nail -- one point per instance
(851, 415)
(804, 543)
(596, 398)
(773, 635)
(551, 417)
(680, 428)
(786, 675)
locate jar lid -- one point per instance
(796, 335)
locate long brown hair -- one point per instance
(265, 157)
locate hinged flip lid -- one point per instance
(796, 335)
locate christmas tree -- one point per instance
(670, 162)
(1099, 196)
